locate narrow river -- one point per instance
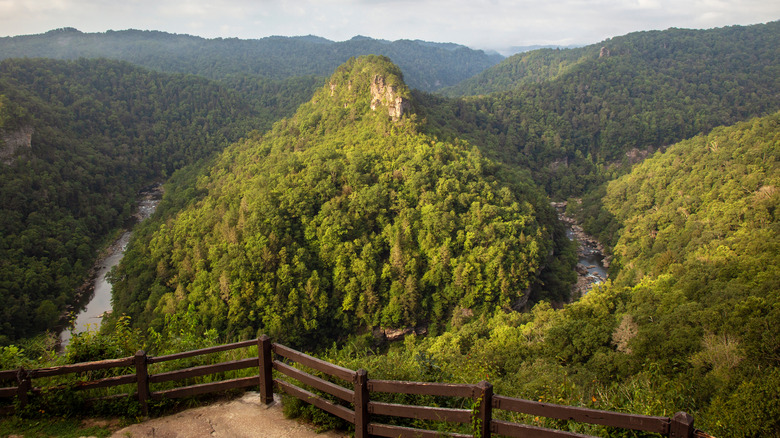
(591, 263)
(90, 317)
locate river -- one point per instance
(591, 263)
(90, 317)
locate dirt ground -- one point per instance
(245, 417)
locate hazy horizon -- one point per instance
(497, 25)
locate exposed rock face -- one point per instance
(391, 334)
(604, 53)
(520, 303)
(383, 94)
(563, 162)
(636, 155)
(15, 142)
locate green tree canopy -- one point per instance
(343, 217)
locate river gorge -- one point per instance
(592, 264)
(98, 305)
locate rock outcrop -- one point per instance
(383, 334)
(368, 85)
(387, 95)
(15, 142)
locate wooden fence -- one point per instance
(354, 391)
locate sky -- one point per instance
(488, 24)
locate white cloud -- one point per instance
(484, 24)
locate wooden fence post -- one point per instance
(361, 404)
(142, 379)
(682, 426)
(485, 414)
(266, 369)
(24, 385)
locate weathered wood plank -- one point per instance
(315, 382)
(203, 370)
(422, 388)
(202, 351)
(8, 392)
(420, 412)
(314, 363)
(108, 397)
(313, 399)
(387, 430)
(584, 415)
(81, 367)
(8, 375)
(525, 431)
(127, 379)
(108, 382)
(205, 388)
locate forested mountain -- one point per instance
(594, 110)
(690, 321)
(427, 66)
(344, 218)
(378, 206)
(665, 51)
(96, 131)
(524, 68)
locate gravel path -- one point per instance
(245, 417)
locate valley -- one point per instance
(89, 314)
(592, 264)
(321, 205)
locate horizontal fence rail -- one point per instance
(351, 391)
(584, 415)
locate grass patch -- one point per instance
(56, 427)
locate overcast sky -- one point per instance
(489, 24)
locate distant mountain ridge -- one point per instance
(656, 50)
(565, 113)
(426, 65)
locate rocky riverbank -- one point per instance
(85, 304)
(592, 263)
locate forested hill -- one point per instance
(426, 66)
(647, 91)
(344, 218)
(690, 321)
(95, 132)
(669, 52)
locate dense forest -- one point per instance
(601, 111)
(427, 66)
(688, 323)
(101, 130)
(344, 218)
(374, 206)
(666, 51)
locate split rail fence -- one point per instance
(363, 413)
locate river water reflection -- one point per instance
(99, 305)
(591, 264)
(590, 260)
